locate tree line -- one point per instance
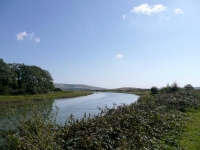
(18, 78)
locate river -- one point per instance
(89, 104)
(80, 105)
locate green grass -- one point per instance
(191, 137)
(39, 97)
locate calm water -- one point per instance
(89, 104)
(80, 105)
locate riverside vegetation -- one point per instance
(156, 121)
(21, 99)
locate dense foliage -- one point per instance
(170, 88)
(154, 90)
(20, 79)
(188, 87)
(153, 122)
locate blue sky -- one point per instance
(103, 43)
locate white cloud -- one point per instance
(178, 11)
(25, 36)
(30, 35)
(37, 39)
(20, 36)
(147, 9)
(124, 16)
(119, 56)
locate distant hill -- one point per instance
(125, 88)
(76, 87)
(128, 88)
(197, 88)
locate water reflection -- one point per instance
(89, 104)
(9, 115)
(76, 106)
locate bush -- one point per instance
(170, 89)
(154, 90)
(188, 87)
(35, 129)
(57, 89)
(4, 90)
(166, 89)
(174, 87)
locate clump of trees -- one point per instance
(171, 88)
(18, 78)
(174, 87)
(168, 89)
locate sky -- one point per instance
(109, 44)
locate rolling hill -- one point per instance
(128, 88)
(76, 87)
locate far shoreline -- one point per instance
(19, 99)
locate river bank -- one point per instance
(156, 121)
(5, 100)
(135, 92)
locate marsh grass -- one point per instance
(41, 97)
(35, 128)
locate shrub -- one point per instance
(154, 90)
(57, 89)
(4, 90)
(166, 89)
(170, 89)
(35, 129)
(188, 87)
(174, 87)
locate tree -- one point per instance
(23, 79)
(174, 87)
(36, 80)
(19, 70)
(188, 87)
(47, 81)
(154, 90)
(7, 78)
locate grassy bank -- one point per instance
(39, 97)
(190, 140)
